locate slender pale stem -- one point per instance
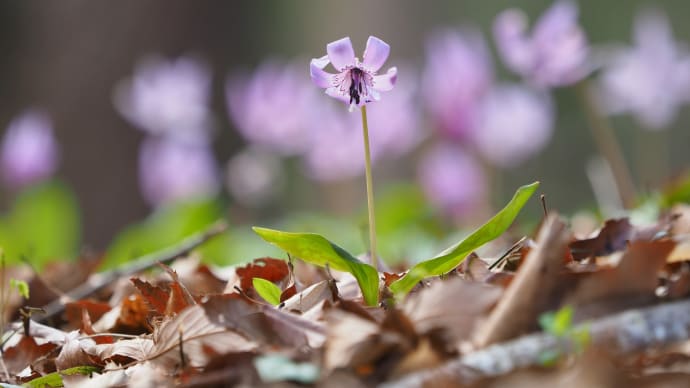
(607, 144)
(370, 190)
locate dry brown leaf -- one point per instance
(632, 282)
(230, 369)
(273, 270)
(74, 312)
(133, 316)
(613, 236)
(310, 297)
(73, 352)
(180, 297)
(196, 331)
(24, 353)
(454, 305)
(351, 341)
(264, 324)
(156, 296)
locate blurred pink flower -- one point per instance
(271, 107)
(515, 123)
(167, 97)
(452, 180)
(170, 171)
(554, 54)
(457, 74)
(650, 79)
(29, 152)
(337, 151)
(356, 83)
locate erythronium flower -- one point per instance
(171, 170)
(356, 83)
(554, 54)
(457, 74)
(29, 152)
(271, 108)
(168, 97)
(515, 123)
(650, 79)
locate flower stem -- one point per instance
(607, 144)
(370, 190)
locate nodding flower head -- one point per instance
(356, 83)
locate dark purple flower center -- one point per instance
(356, 75)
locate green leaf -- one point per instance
(55, 379)
(21, 286)
(267, 290)
(451, 257)
(164, 228)
(316, 249)
(557, 323)
(42, 225)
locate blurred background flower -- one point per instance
(272, 106)
(457, 74)
(514, 123)
(167, 97)
(171, 171)
(29, 152)
(553, 54)
(651, 79)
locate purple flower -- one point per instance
(271, 108)
(452, 180)
(29, 152)
(650, 79)
(556, 52)
(515, 123)
(356, 83)
(457, 74)
(170, 171)
(167, 98)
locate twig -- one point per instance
(507, 253)
(98, 281)
(621, 333)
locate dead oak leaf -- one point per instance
(632, 282)
(613, 236)
(189, 334)
(454, 305)
(21, 355)
(264, 324)
(273, 270)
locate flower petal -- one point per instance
(341, 53)
(513, 45)
(375, 54)
(385, 82)
(333, 92)
(320, 77)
